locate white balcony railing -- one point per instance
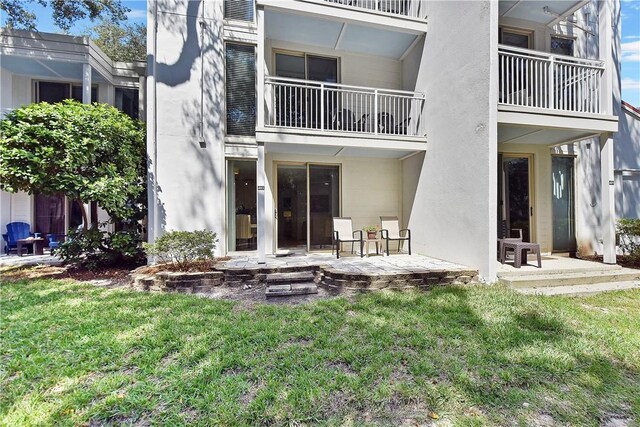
(538, 79)
(319, 106)
(408, 8)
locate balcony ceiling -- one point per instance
(532, 135)
(44, 69)
(533, 10)
(329, 34)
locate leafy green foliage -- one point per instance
(86, 152)
(121, 42)
(628, 230)
(65, 12)
(183, 248)
(95, 248)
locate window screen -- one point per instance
(241, 89)
(239, 10)
(562, 46)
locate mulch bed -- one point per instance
(621, 260)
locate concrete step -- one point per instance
(291, 289)
(581, 290)
(527, 280)
(290, 277)
(547, 272)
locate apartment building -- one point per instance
(37, 67)
(267, 118)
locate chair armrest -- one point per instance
(519, 230)
(384, 233)
(336, 236)
(357, 232)
(408, 232)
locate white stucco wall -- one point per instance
(186, 177)
(451, 207)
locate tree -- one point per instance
(65, 12)
(126, 42)
(89, 153)
(86, 152)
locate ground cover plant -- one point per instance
(76, 354)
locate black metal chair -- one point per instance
(343, 233)
(391, 231)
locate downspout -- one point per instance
(202, 23)
(154, 126)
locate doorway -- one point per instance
(564, 227)
(515, 193)
(308, 197)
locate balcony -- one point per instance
(529, 78)
(313, 107)
(400, 8)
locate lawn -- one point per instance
(76, 354)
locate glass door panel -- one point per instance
(324, 203)
(292, 206)
(517, 202)
(242, 205)
(321, 69)
(49, 213)
(563, 204)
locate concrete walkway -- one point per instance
(28, 260)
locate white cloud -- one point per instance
(630, 84)
(632, 4)
(137, 14)
(632, 37)
(631, 51)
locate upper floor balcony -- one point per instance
(530, 78)
(309, 106)
(414, 9)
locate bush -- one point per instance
(182, 249)
(628, 230)
(95, 248)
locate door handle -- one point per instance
(531, 209)
(275, 212)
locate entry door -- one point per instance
(564, 239)
(308, 198)
(515, 194)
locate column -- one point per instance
(605, 53)
(261, 181)
(608, 198)
(142, 92)
(86, 84)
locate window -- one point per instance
(562, 46)
(238, 10)
(516, 38)
(55, 92)
(241, 89)
(127, 101)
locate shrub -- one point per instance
(95, 248)
(628, 230)
(182, 249)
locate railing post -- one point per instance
(321, 106)
(375, 111)
(552, 85)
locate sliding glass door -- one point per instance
(308, 197)
(242, 205)
(563, 197)
(516, 204)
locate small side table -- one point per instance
(38, 245)
(520, 252)
(378, 243)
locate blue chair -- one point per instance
(54, 243)
(15, 232)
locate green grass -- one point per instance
(73, 354)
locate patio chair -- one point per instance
(343, 233)
(403, 126)
(385, 123)
(391, 231)
(343, 120)
(15, 232)
(54, 241)
(506, 235)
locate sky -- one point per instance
(630, 42)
